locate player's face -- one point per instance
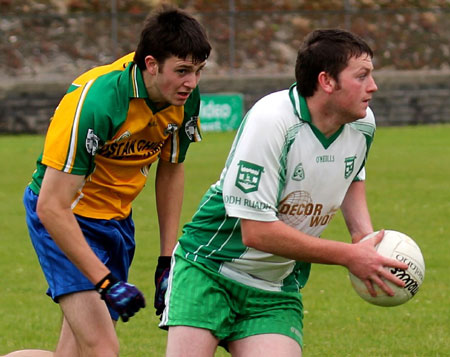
(354, 88)
(174, 80)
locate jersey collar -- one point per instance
(299, 103)
(302, 112)
(138, 89)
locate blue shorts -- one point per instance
(111, 240)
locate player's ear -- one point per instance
(326, 82)
(151, 65)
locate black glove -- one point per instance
(123, 297)
(161, 283)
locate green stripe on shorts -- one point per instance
(200, 297)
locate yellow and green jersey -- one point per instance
(107, 129)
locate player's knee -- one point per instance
(101, 348)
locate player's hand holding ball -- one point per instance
(401, 250)
(123, 297)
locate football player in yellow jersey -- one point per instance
(112, 124)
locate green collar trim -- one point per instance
(138, 90)
(302, 112)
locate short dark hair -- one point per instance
(326, 50)
(168, 32)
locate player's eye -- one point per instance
(199, 71)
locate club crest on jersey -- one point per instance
(191, 128)
(171, 128)
(91, 142)
(349, 166)
(299, 173)
(248, 176)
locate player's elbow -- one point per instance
(250, 241)
(45, 210)
(252, 234)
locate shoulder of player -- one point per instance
(271, 119)
(118, 66)
(273, 110)
(272, 106)
(365, 125)
(103, 97)
(275, 101)
(101, 104)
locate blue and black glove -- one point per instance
(123, 297)
(161, 283)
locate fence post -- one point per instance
(231, 42)
(347, 14)
(114, 28)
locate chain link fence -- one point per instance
(245, 39)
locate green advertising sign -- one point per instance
(221, 112)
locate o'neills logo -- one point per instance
(411, 284)
(298, 206)
(413, 277)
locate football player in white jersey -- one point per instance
(298, 157)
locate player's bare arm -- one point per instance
(357, 217)
(55, 212)
(356, 212)
(361, 259)
(169, 199)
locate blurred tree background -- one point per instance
(51, 37)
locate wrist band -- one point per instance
(103, 285)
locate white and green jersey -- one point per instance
(280, 167)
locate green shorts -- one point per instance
(200, 297)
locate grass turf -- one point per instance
(408, 190)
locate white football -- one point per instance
(398, 246)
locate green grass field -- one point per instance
(408, 190)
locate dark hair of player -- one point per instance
(172, 32)
(326, 50)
